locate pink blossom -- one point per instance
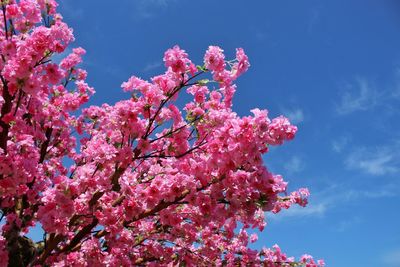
(3, 251)
(12, 11)
(31, 10)
(171, 172)
(53, 73)
(72, 59)
(242, 63)
(135, 83)
(177, 59)
(214, 59)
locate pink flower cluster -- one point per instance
(140, 182)
(177, 59)
(3, 251)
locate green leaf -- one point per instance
(203, 81)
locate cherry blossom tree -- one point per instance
(152, 182)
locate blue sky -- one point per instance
(333, 67)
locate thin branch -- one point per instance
(5, 20)
(165, 204)
(170, 132)
(5, 109)
(18, 101)
(80, 235)
(43, 148)
(163, 102)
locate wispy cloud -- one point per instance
(392, 258)
(294, 165)
(295, 116)
(388, 190)
(345, 225)
(314, 17)
(360, 96)
(152, 66)
(145, 9)
(70, 9)
(375, 161)
(312, 210)
(334, 197)
(363, 95)
(339, 144)
(338, 195)
(396, 91)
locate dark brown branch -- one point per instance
(163, 102)
(42, 60)
(165, 204)
(51, 244)
(20, 95)
(115, 177)
(5, 109)
(96, 196)
(172, 131)
(5, 20)
(43, 148)
(162, 205)
(155, 155)
(80, 235)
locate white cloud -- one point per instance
(362, 95)
(392, 258)
(312, 210)
(70, 9)
(313, 20)
(295, 116)
(386, 191)
(396, 91)
(339, 144)
(365, 98)
(347, 224)
(260, 35)
(152, 66)
(337, 194)
(294, 165)
(334, 197)
(156, 2)
(374, 161)
(144, 9)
